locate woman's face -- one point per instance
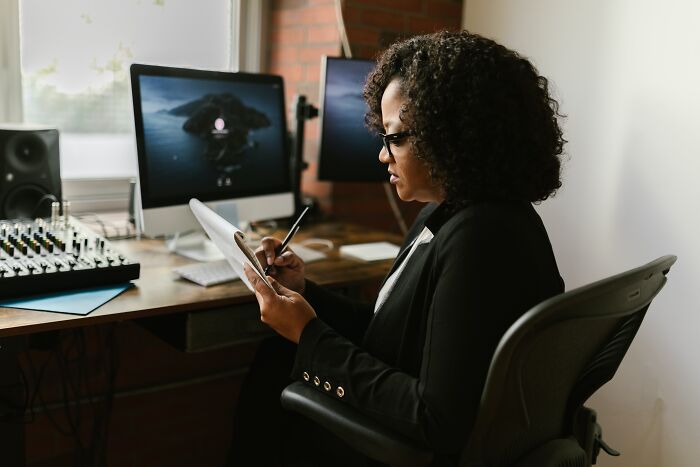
(409, 174)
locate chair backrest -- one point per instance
(553, 358)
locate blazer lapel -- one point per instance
(399, 259)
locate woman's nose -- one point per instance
(384, 156)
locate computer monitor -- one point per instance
(348, 150)
(216, 136)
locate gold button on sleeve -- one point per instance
(317, 381)
(340, 392)
(306, 376)
(327, 386)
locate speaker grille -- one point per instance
(29, 172)
(26, 152)
(27, 202)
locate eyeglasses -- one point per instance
(392, 138)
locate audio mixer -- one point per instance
(51, 255)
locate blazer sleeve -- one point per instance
(480, 286)
(348, 317)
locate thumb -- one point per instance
(279, 288)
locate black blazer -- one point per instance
(419, 365)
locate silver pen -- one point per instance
(292, 231)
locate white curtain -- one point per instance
(10, 73)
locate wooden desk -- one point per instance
(158, 291)
(159, 295)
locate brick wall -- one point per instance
(301, 32)
(304, 30)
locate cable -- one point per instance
(71, 406)
(37, 379)
(42, 200)
(10, 410)
(347, 51)
(341, 28)
(75, 373)
(102, 413)
(106, 226)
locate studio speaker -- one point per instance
(30, 177)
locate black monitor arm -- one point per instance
(303, 111)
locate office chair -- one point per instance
(548, 363)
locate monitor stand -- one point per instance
(195, 246)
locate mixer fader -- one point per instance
(46, 256)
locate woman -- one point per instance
(469, 128)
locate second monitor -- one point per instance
(348, 150)
(217, 136)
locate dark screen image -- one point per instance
(349, 151)
(212, 139)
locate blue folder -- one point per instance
(75, 302)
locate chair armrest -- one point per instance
(357, 430)
(556, 453)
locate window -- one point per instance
(75, 58)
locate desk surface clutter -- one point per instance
(158, 291)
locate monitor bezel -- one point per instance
(137, 70)
(324, 174)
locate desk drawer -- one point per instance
(202, 330)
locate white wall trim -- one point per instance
(249, 28)
(97, 194)
(10, 66)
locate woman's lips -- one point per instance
(393, 178)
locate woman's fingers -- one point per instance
(285, 259)
(284, 310)
(258, 284)
(252, 277)
(268, 246)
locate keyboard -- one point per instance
(206, 274)
(219, 272)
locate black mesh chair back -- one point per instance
(552, 360)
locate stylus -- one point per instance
(292, 231)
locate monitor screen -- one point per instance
(349, 152)
(210, 135)
(216, 136)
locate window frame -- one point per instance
(248, 20)
(10, 70)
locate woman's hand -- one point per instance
(287, 268)
(284, 310)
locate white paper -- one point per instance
(373, 251)
(224, 235)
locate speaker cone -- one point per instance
(28, 202)
(27, 152)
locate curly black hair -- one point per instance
(481, 116)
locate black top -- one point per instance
(419, 365)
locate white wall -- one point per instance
(627, 73)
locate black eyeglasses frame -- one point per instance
(393, 137)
